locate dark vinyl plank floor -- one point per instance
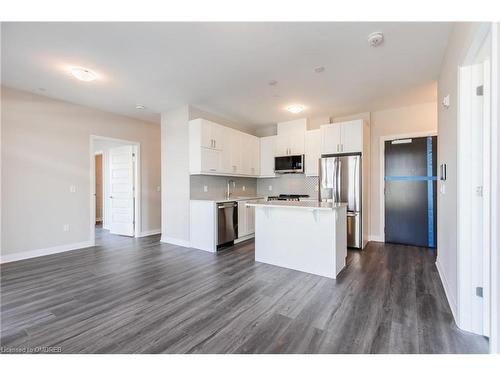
(129, 295)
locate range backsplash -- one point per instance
(217, 186)
(282, 184)
(288, 184)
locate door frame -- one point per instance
(103, 208)
(137, 183)
(465, 274)
(382, 140)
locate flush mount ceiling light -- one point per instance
(375, 39)
(295, 108)
(83, 74)
(140, 106)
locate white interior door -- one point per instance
(121, 174)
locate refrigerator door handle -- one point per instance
(356, 182)
(339, 180)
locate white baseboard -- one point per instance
(149, 232)
(175, 241)
(244, 238)
(376, 238)
(47, 251)
(451, 300)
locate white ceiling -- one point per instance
(224, 68)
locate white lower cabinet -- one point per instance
(246, 219)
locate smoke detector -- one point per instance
(376, 39)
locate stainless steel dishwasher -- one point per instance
(227, 223)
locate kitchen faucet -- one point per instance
(229, 182)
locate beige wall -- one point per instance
(412, 119)
(45, 149)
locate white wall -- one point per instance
(175, 176)
(458, 45)
(45, 149)
(411, 119)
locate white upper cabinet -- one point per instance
(330, 138)
(255, 156)
(352, 136)
(313, 152)
(212, 134)
(291, 137)
(342, 137)
(267, 152)
(219, 150)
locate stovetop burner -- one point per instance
(287, 197)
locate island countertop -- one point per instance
(308, 205)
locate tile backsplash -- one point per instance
(288, 184)
(217, 185)
(282, 184)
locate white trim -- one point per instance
(468, 276)
(495, 196)
(47, 251)
(376, 238)
(137, 183)
(451, 300)
(175, 241)
(244, 238)
(382, 140)
(150, 232)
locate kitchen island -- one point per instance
(307, 236)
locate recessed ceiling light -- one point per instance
(272, 83)
(375, 39)
(295, 108)
(319, 69)
(83, 74)
(140, 106)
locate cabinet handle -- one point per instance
(215, 143)
(212, 169)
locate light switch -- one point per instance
(243, 188)
(205, 188)
(270, 187)
(158, 188)
(66, 227)
(72, 188)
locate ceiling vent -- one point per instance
(376, 39)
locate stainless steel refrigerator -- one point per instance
(340, 181)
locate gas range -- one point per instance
(287, 197)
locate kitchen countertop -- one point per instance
(308, 205)
(230, 199)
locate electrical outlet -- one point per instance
(243, 188)
(72, 188)
(270, 187)
(205, 188)
(316, 188)
(66, 228)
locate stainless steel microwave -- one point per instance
(289, 164)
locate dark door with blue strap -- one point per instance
(410, 191)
